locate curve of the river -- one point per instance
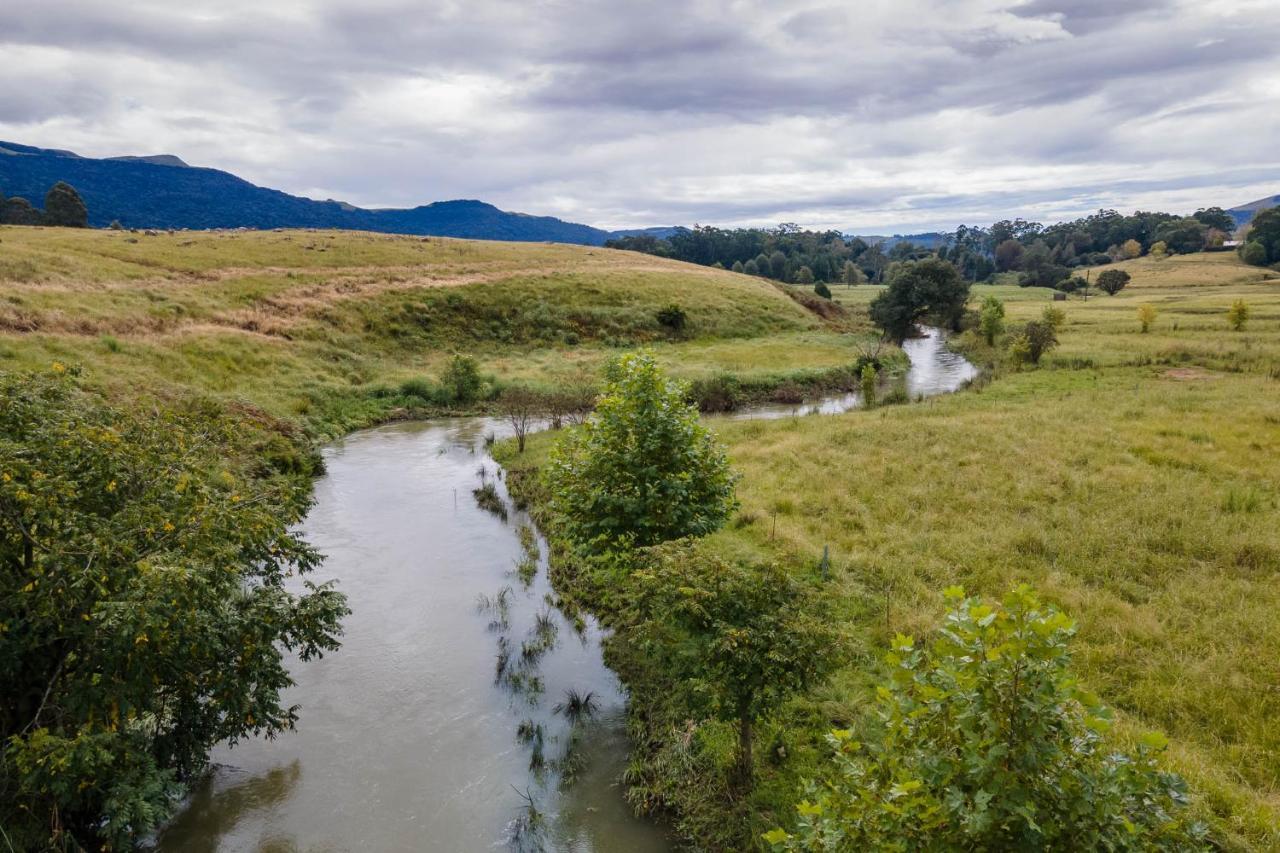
(408, 737)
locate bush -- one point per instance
(1254, 253)
(642, 469)
(145, 609)
(1146, 316)
(673, 319)
(868, 383)
(1238, 315)
(1053, 316)
(716, 394)
(1035, 339)
(987, 743)
(461, 381)
(822, 290)
(1112, 282)
(991, 320)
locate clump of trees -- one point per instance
(984, 741)
(642, 469)
(1262, 242)
(62, 207)
(144, 613)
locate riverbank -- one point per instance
(1131, 478)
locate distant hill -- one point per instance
(1244, 213)
(162, 191)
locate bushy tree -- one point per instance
(1053, 316)
(804, 275)
(642, 469)
(673, 319)
(1039, 268)
(1265, 232)
(1159, 250)
(144, 609)
(1216, 217)
(929, 287)
(63, 206)
(1009, 256)
(991, 319)
(1254, 253)
(1035, 339)
(1183, 236)
(867, 379)
(852, 275)
(18, 211)
(1130, 249)
(750, 268)
(1238, 315)
(730, 641)
(1112, 282)
(822, 290)
(522, 407)
(738, 267)
(987, 742)
(462, 380)
(1146, 316)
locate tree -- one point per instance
(1146, 316)
(991, 319)
(1130, 249)
(1009, 256)
(1112, 282)
(986, 742)
(1159, 250)
(144, 608)
(1238, 315)
(929, 287)
(1039, 269)
(521, 407)
(1254, 253)
(1216, 217)
(642, 469)
(778, 266)
(63, 206)
(731, 641)
(1265, 231)
(822, 290)
(804, 275)
(750, 268)
(738, 267)
(1183, 236)
(852, 275)
(1053, 316)
(461, 380)
(868, 381)
(18, 211)
(1035, 339)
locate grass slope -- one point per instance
(1135, 479)
(311, 324)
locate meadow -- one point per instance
(327, 327)
(1131, 478)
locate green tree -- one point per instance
(1112, 282)
(929, 287)
(461, 380)
(1265, 231)
(1254, 253)
(1238, 315)
(751, 268)
(991, 319)
(1183, 236)
(852, 275)
(1216, 217)
(1009, 256)
(867, 379)
(642, 469)
(986, 742)
(63, 206)
(144, 609)
(18, 211)
(731, 641)
(1053, 316)
(804, 275)
(738, 267)
(822, 290)
(778, 266)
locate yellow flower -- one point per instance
(111, 487)
(59, 367)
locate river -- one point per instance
(409, 736)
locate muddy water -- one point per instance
(408, 738)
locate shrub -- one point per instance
(145, 608)
(991, 320)
(716, 394)
(868, 383)
(1238, 315)
(642, 469)
(1146, 316)
(804, 275)
(987, 743)
(1036, 338)
(1254, 253)
(1053, 316)
(822, 290)
(461, 380)
(673, 319)
(1159, 250)
(1112, 282)
(63, 206)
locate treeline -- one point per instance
(62, 207)
(1045, 256)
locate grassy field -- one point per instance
(1133, 478)
(311, 325)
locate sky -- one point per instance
(868, 117)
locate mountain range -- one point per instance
(162, 191)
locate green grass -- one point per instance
(314, 325)
(1134, 479)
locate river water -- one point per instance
(409, 736)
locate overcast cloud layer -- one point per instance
(865, 116)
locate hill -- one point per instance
(162, 191)
(324, 326)
(1244, 213)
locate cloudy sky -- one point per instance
(871, 116)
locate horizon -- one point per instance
(620, 119)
